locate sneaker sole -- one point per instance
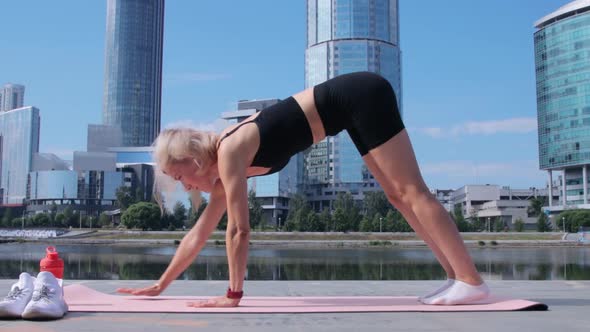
(38, 314)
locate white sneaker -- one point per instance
(48, 299)
(20, 294)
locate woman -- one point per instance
(362, 103)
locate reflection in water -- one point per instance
(148, 263)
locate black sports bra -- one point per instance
(284, 131)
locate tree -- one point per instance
(543, 224)
(70, 219)
(398, 222)
(519, 225)
(53, 213)
(179, 215)
(498, 224)
(60, 220)
(142, 215)
(380, 223)
(312, 222)
(104, 220)
(139, 195)
(41, 220)
(222, 222)
(17, 222)
(84, 220)
(375, 202)
(125, 197)
(7, 218)
(340, 220)
(298, 207)
(535, 206)
(255, 210)
(325, 219)
(462, 224)
(458, 214)
(93, 222)
(193, 215)
(167, 221)
(366, 225)
(477, 224)
(346, 214)
(573, 220)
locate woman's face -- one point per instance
(186, 173)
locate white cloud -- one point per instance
(508, 126)
(434, 132)
(196, 77)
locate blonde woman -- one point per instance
(362, 103)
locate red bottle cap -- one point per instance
(52, 263)
(51, 252)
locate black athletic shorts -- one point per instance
(362, 103)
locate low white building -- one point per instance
(490, 203)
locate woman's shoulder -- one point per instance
(240, 139)
(241, 146)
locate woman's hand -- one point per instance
(217, 302)
(153, 290)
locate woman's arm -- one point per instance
(232, 170)
(190, 246)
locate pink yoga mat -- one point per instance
(82, 298)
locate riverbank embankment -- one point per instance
(310, 240)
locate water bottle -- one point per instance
(52, 263)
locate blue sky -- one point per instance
(468, 73)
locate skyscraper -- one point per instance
(11, 97)
(345, 36)
(19, 139)
(562, 63)
(133, 69)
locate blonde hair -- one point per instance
(178, 145)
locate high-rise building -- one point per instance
(102, 137)
(562, 61)
(345, 36)
(12, 96)
(133, 69)
(19, 140)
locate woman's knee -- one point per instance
(412, 195)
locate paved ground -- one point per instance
(569, 304)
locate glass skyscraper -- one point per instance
(562, 64)
(133, 69)
(19, 140)
(345, 36)
(11, 97)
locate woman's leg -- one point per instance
(414, 223)
(396, 165)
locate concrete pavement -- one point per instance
(568, 301)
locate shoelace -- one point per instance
(42, 294)
(14, 294)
